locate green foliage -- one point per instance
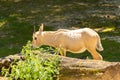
(17, 18)
(33, 67)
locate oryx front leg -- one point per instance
(62, 52)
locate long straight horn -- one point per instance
(34, 29)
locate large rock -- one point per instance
(78, 69)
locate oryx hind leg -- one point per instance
(95, 54)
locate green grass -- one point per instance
(111, 50)
(13, 37)
(17, 20)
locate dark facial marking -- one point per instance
(35, 38)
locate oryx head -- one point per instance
(37, 37)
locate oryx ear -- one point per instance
(41, 27)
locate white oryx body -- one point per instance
(75, 41)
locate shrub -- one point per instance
(33, 67)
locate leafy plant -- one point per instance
(33, 67)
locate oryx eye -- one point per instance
(35, 38)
